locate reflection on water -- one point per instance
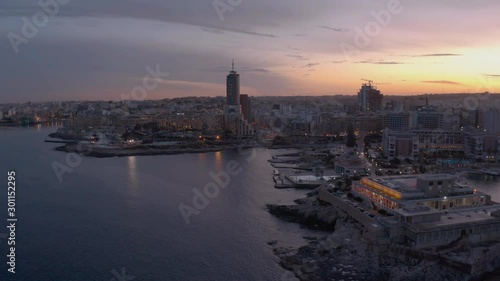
(134, 220)
(218, 160)
(202, 156)
(132, 173)
(53, 124)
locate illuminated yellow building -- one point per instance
(437, 191)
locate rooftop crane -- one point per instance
(369, 81)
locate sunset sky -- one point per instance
(97, 50)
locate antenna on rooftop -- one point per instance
(233, 65)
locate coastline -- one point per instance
(344, 253)
(100, 152)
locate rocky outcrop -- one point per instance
(343, 254)
(309, 213)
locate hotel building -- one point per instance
(436, 191)
(431, 210)
(408, 144)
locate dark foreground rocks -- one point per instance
(342, 254)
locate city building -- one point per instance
(491, 122)
(349, 166)
(428, 118)
(436, 191)
(233, 92)
(414, 103)
(472, 118)
(246, 107)
(409, 144)
(399, 121)
(365, 122)
(393, 105)
(369, 98)
(400, 144)
(433, 212)
(480, 145)
(440, 140)
(232, 121)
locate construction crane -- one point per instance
(369, 81)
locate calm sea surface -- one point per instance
(123, 213)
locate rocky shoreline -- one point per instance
(312, 218)
(57, 135)
(343, 254)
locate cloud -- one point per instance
(492, 75)
(85, 68)
(95, 46)
(380, 62)
(211, 30)
(262, 70)
(442, 82)
(224, 69)
(311, 65)
(220, 29)
(299, 57)
(436, 55)
(334, 28)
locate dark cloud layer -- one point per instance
(96, 49)
(442, 82)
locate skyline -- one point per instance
(97, 51)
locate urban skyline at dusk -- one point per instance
(98, 51)
(251, 140)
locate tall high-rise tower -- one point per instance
(233, 92)
(233, 87)
(233, 121)
(369, 98)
